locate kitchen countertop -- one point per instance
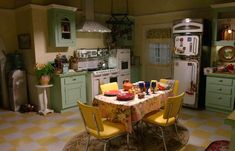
(71, 74)
(222, 75)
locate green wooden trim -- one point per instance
(71, 74)
(222, 75)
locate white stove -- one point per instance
(105, 72)
(99, 77)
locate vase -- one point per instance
(45, 79)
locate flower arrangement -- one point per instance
(43, 69)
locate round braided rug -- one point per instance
(146, 143)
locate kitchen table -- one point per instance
(130, 111)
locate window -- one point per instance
(159, 53)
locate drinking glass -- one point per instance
(141, 86)
(147, 86)
(153, 85)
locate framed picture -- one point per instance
(24, 41)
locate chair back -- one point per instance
(175, 86)
(91, 117)
(108, 86)
(173, 106)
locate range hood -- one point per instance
(89, 25)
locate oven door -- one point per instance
(113, 78)
(124, 65)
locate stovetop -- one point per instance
(105, 71)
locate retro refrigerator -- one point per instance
(192, 40)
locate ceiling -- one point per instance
(132, 7)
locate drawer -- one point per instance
(222, 81)
(219, 100)
(219, 89)
(74, 79)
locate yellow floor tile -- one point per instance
(47, 140)
(201, 134)
(2, 140)
(206, 143)
(32, 130)
(41, 121)
(13, 149)
(21, 141)
(185, 116)
(192, 124)
(77, 129)
(68, 113)
(42, 149)
(213, 123)
(56, 129)
(189, 147)
(224, 133)
(19, 122)
(8, 131)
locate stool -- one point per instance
(43, 107)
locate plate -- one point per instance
(227, 53)
(125, 96)
(111, 92)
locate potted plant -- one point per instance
(43, 72)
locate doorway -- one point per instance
(158, 52)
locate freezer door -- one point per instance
(187, 45)
(186, 71)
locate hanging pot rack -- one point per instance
(119, 18)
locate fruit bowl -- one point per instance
(125, 96)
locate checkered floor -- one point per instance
(32, 132)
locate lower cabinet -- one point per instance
(67, 90)
(220, 94)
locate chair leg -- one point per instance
(176, 130)
(88, 142)
(105, 145)
(163, 138)
(127, 141)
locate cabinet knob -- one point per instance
(219, 98)
(74, 79)
(220, 80)
(219, 89)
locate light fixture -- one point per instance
(229, 30)
(187, 20)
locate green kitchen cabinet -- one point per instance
(220, 93)
(62, 28)
(67, 89)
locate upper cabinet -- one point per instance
(62, 27)
(224, 24)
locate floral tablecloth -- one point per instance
(130, 111)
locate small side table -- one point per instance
(44, 110)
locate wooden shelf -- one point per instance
(224, 43)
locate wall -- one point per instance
(142, 23)
(33, 19)
(8, 30)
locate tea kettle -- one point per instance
(103, 65)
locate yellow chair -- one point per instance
(175, 87)
(99, 128)
(168, 116)
(108, 86)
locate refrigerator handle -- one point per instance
(194, 45)
(193, 72)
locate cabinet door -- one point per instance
(75, 91)
(62, 30)
(65, 29)
(219, 101)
